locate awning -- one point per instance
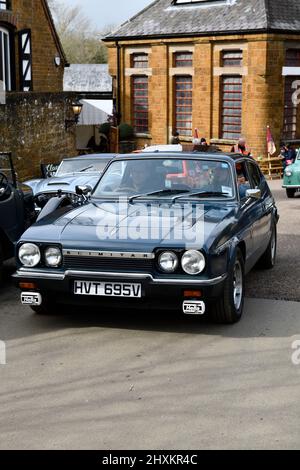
(95, 112)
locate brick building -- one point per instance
(227, 67)
(34, 107)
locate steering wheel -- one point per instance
(4, 184)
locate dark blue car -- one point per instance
(174, 231)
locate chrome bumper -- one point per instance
(45, 275)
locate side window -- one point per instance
(243, 182)
(255, 175)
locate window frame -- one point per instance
(5, 5)
(185, 62)
(236, 62)
(139, 129)
(133, 60)
(183, 131)
(230, 134)
(6, 58)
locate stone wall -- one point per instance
(32, 127)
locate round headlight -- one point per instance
(53, 257)
(168, 262)
(29, 255)
(288, 173)
(193, 262)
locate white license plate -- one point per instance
(108, 289)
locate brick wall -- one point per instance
(32, 128)
(263, 86)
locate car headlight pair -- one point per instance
(192, 262)
(30, 255)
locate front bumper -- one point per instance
(157, 293)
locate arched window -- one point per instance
(5, 66)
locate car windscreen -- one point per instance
(87, 165)
(166, 175)
(5, 167)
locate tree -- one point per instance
(82, 43)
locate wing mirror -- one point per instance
(83, 190)
(253, 193)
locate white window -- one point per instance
(5, 73)
(4, 4)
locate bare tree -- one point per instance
(81, 41)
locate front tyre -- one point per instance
(268, 259)
(290, 192)
(229, 308)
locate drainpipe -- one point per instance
(118, 107)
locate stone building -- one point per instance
(227, 67)
(33, 107)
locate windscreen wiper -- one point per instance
(203, 194)
(161, 192)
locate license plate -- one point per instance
(30, 298)
(108, 289)
(194, 307)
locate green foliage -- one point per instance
(126, 131)
(105, 128)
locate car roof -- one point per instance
(92, 155)
(229, 157)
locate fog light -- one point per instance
(192, 294)
(27, 285)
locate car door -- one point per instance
(251, 214)
(267, 205)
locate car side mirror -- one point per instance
(253, 194)
(83, 190)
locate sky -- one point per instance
(108, 12)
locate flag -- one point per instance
(196, 139)
(270, 142)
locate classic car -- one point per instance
(16, 209)
(83, 170)
(146, 240)
(291, 179)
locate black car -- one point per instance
(16, 209)
(175, 231)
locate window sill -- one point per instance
(143, 136)
(224, 141)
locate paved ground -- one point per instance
(140, 381)
(282, 282)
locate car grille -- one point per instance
(86, 263)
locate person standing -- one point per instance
(241, 147)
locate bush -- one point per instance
(105, 128)
(126, 132)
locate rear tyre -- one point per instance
(268, 259)
(290, 192)
(229, 308)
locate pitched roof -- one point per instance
(87, 78)
(54, 31)
(162, 18)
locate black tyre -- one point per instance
(229, 308)
(1, 266)
(268, 259)
(290, 192)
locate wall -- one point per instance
(32, 128)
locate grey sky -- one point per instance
(107, 12)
